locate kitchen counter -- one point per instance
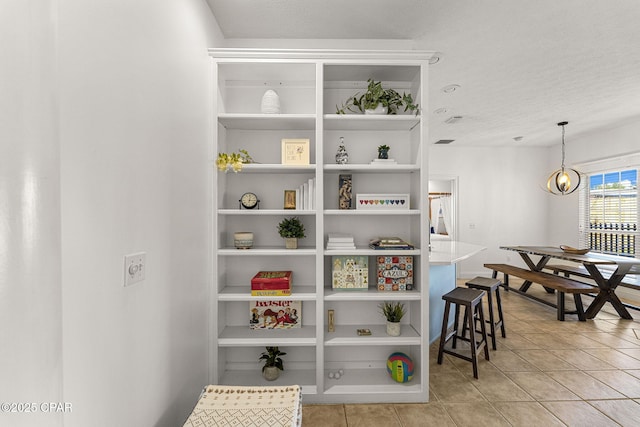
(445, 252)
(443, 257)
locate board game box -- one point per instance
(275, 314)
(350, 272)
(395, 273)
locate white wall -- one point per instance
(30, 284)
(104, 150)
(135, 165)
(501, 201)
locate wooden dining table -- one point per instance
(594, 263)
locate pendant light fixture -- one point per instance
(565, 180)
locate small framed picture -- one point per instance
(295, 151)
(289, 199)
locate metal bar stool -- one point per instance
(471, 300)
(490, 286)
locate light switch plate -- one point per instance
(135, 266)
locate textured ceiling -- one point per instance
(522, 66)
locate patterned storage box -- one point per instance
(395, 273)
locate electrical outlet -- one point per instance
(135, 266)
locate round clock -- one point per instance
(249, 200)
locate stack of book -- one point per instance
(271, 284)
(389, 243)
(340, 241)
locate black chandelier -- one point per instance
(560, 181)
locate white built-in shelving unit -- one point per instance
(310, 83)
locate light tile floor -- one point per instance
(545, 373)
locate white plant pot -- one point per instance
(380, 109)
(291, 243)
(243, 239)
(271, 373)
(393, 329)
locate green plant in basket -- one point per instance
(377, 95)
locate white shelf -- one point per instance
(346, 335)
(371, 381)
(260, 251)
(372, 252)
(370, 122)
(267, 121)
(277, 168)
(369, 168)
(238, 293)
(266, 212)
(305, 378)
(371, 294)
(242, 336)
(371, 212)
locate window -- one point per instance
(609, 212)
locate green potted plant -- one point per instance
(378, 100)
(273, 363)
(393, 311)
(233, 161)
(383, 151)
(291, 229)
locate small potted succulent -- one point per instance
(273, 363)
(378, 100)
(393, 311)
(383, 151)
(291, 229)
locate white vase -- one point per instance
(270, 102)
(380, 109)
(393, 329)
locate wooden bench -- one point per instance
(630, 281)
(550, 281)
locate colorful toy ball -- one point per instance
(400, 367)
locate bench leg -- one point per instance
(579, 308)
(505, 280)
(560, 298)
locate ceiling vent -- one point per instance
(444, 141)
(453, 119)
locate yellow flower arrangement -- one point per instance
(233, 161)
